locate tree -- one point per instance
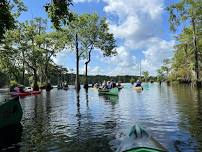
(50, 44)
(182, 62)
(59, 13)
(85, 33)
(9, 11)
(160, 75)
(25, 49)
(9, 58)
(146, 75)
(188, 11)
(95, 36)
(132, 81)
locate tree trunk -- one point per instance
(23, 68)
(86, 76)
(35, 86)
(195, 52)
(77, 83)
(86, 72)
(46, 74)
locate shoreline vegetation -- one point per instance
(27, 48)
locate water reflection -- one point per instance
(64, 121)
(190, 111)
(111, 99)
(10, 138)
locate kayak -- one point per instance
(140, 141)
(3, 90)
(65, 88)
(138, 88)
(35, 92)
(113, 91)
(10, 112)
(23, 94)
(120, 87)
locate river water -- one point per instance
(59, 121)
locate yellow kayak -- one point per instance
(138, 88)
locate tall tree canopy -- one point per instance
(59, 12)
(9, 11)
(88, 32)
(188, 14)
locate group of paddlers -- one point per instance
(18, 89)
(107, 85)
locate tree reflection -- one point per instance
(10, 137)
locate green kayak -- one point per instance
(140, 141)
(10, 112)
(113, 91)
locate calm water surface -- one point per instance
(59, 121)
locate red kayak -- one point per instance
(23, 94)
(35, 92)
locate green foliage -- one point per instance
(88, 32)
(132, 80)
(13, 83)
(59, 13)
(183, 11)
(186, 63)
(93, 33)
(160, 75)
(29, 48)
(3, 79)
(9, 11)
(146, 75)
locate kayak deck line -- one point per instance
(139, 140)
(144, 149)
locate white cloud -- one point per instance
(139, 27)
(93, 70)
(123, 59)
(138, 24)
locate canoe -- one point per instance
(10, 112)
(113, 91)
(138, 88)
(23, 94)
(140, 141)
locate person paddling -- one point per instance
(138, 83)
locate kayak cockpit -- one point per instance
(144, 149)
(139, 140)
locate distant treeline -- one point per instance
(70, 78)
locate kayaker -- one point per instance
(17, 89)
(109, 85)
(119, 84)
(112, 84)
(138, 83)
(21, 89)
(104, 85)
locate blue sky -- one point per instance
(141, 28)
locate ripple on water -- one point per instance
(57, 121)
